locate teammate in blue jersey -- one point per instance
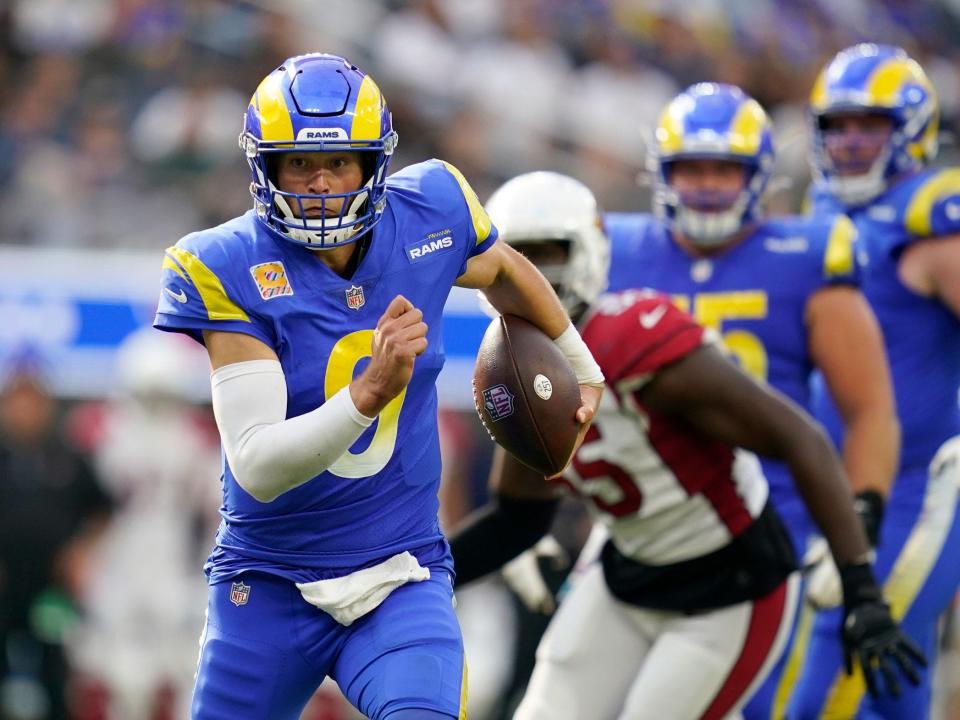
(321, 313)
(874, 119)
(781, 292)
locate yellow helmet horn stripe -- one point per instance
(818, 96)
(367, 112)
(669, 133)
(745, 130)
(275, 123)
(888, 79)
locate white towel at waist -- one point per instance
(352, 596)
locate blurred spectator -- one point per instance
(615, 99)
(517, 80)
(417, 52)
(485, 608)
(61, 24)
(51, 512)
(497, 87)
(145, 25)
(189, 126)
(33, 105)
(88, 192)
(158, 454)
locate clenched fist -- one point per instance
(400, 336)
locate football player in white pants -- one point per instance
(603, 658)
(695, 591)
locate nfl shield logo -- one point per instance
(498, 402)
(355, 298)
(239, 593)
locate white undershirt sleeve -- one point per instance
(268, 453)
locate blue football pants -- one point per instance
(264, 658)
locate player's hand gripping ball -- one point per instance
(526, 394)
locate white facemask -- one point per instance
(856, 190)
(710, 229)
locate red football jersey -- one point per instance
(666, 492)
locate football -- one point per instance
(526, 394)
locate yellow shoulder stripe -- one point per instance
(170, 264)
(839, 257)
(917, 217)
(481, 221)
(215, 299)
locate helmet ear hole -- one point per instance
(272, 162)
(368, 165)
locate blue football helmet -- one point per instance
(712, 121)
(883, 80)
(318, 103)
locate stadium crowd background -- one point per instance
(119, 119)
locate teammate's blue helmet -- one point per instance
(876, 79)
(318, 103)
(712, 121)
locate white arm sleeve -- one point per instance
(268, 453)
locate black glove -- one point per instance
(870, 634)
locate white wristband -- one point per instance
(577, 353)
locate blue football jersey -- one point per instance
(380, 497)
(921, 335)
(754, 295)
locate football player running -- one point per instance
(695, 591)
(874, 119)
(320, 310)
(782, 292)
